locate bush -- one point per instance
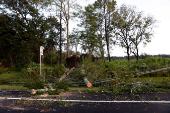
(76, 75)
(59, 70)
(33, 79)
(35, 83)
(51, 59)
(3, 70)
(93, 70)
(54, 92)
(62, 85)
(143, 67)
(143, 88)
(40, 92)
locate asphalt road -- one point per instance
(9, 106)
(27, 106)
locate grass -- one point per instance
(10, 75)
(86, 89)
(154, 80)
(162, 82)
(12, 87)
(2, 70)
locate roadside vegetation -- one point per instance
(24, 29)
(118, 76)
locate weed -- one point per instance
(119, 98)
(137, 97)
(32, 102)
(53, 92)
(62, 85)
(64, 103)
(156, 98)
(40, 92)
(46, 102)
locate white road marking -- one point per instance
(87, 101)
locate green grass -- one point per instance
(6, 73)
(86, 89)
(10, 75)
(12, 87)
(2, 70)
(154, 80)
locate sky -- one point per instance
(160, 10)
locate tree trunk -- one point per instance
(11, 60)
(60, 33)
(137, 54)
(38, 54)
(76, 49)
(128, 54)
(68, 50)
(102, 51)
(107, 39)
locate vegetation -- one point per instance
(118, 76)
(13, 87)
(24, 28)
(132, 28)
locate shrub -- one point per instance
(40, 92)
(33, 79)
(93, 70)
(54, 92)
(35, 83)
(143, 88)
(76, 75)
(3, 70)
(58, 71)
(143, 67)
(62, 85)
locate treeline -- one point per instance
(143, 56)
(24, 28)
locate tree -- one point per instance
(96, 21)
(66, 7)
(52, 41)
(6, 37)
(106, 9)
(28, 29)
(142, 33)
(89, 39)
(74, 39)
(131, 28)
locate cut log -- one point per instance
(88, 84)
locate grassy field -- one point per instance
(12, 87)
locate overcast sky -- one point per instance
(160, 10)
